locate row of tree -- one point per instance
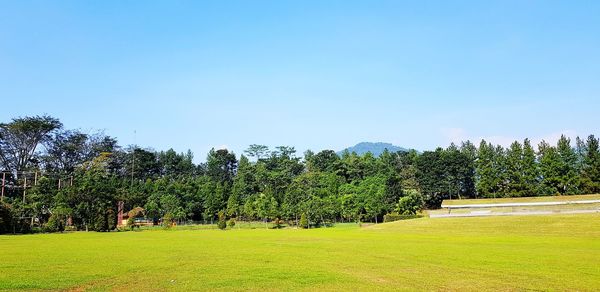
(55, 178)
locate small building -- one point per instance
(139, 215)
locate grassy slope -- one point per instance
(558, 252)
(522, 200)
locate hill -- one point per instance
(375, 148)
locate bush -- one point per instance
(222, 224)
(303, 221)
(5, 218)
(411, 204)
(395, 217)
(167, 221)
(278, 223)
(231, 223)
(131, 223)
(55, 224)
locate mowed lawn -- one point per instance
(558, 252)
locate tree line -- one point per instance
(54, 177)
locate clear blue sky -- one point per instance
(311, 74)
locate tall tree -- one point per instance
(257, 151)
(568, 166)
(530, 170)
(20, 138)
(515, 186)
(66, 150)
(590, 174)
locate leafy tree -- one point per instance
(326, 161)
(530, 170)
(257, 151)
(516, 181)
(411, 204)
(66, 150)
(222, 224)
(431, 175)
(6, 218)
(303, 221)
(20, 138)
(590, 173)
(231, 223)
(221, 166)
(568, 166)
(549, 168)
(92, 198)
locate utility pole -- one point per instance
(133, 158)
(24, 188)
(3, 183)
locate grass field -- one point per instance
(559, 252)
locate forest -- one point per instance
(55, 178)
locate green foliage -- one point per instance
(303, 221)
(411, 204)
(131, 223)
(167, 221)
(222, 224)
(397, 217)
(55, 224)
(231, 222)
(95, 174)
(6, 219)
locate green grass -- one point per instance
(522, 200)
(560, 252)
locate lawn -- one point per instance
(559, 252)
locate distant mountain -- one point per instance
(375, 148)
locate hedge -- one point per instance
(395, 217)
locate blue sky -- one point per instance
(312, 74)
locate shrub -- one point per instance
(395, 217)
(231, 223)
(222, 224)
(303, 221)
(167, 221)
(131, 223)
(5, 218)
(278, 223)
(411, 204)
(55, 224)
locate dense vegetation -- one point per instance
(77, 179)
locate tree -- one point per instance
(514, 172)
(326, 161)
(257, 151)
(222, 224)
(221, 167)
(530, 170)
(590, 173)
(431, 175)
(411, 204)
(66, 150)
(20, 138)
(372, 191)
(549, 169)
(303, 221)
(92, 198)
(266, 207)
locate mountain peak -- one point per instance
(376, 148)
